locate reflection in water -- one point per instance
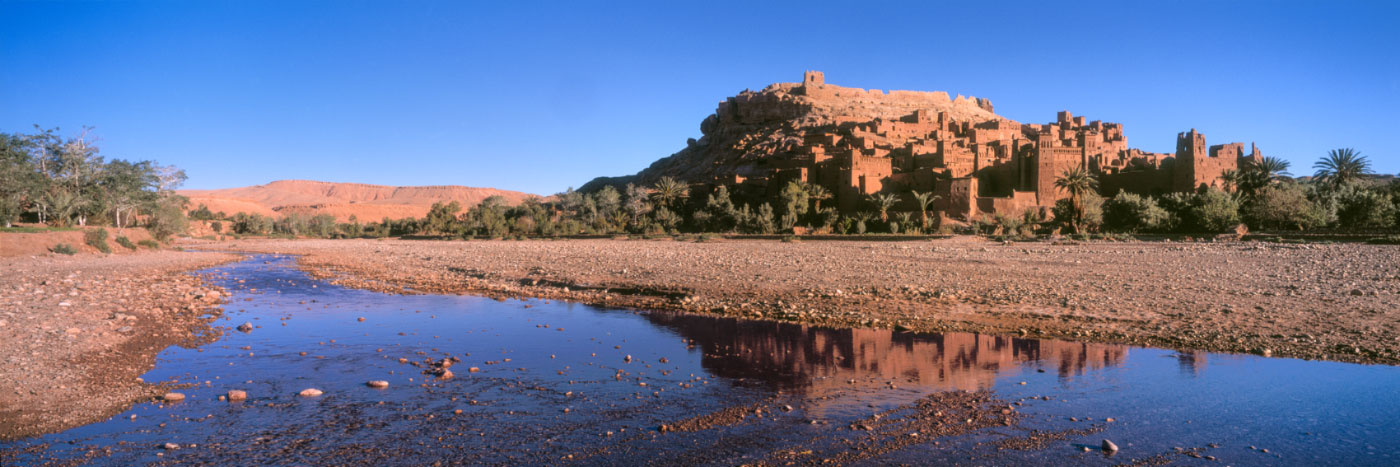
(1191, 362)
(815, 360)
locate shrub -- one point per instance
(148, 243)
(1127, 212)
(126, 242)
(1282, 206)
(1215, 211)
(64, 249)
(97, 238)
(1362, 209)
(1211, 210)
(1093, 212)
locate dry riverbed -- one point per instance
(77, 332)
(1327, 301)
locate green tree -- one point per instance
(1282, 206)
(442, 218)
(607, 199)
(1086, 216)
(817, 194)
(1342, 167)
(669, 191)
(925, 202)
(1077, 182)
(167, 217)
(883, 202)
(1128, 212)
(1210, 210)
(795, 197)
(1364, 209)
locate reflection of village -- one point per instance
(816, 361)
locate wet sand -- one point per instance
(76, 333)
(1315, 301)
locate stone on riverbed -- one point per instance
(1108, 446)
(378, 384)
(310, 392)
(173, 397)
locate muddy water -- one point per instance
(555, 385)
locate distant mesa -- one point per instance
(342, 200)
(858, 142)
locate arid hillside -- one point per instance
(342, 200)
(753, 133)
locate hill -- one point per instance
(342, 200)
(858, 143)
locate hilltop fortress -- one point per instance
(857, 142)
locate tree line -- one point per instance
(1341, 196)
(62, 182)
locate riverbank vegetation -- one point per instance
(1341, 197)
(65, 182)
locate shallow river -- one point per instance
(562, 383)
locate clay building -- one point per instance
(985, 165)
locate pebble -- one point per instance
(378, 384)
(1108, 446)
(173, 397)
(237, 395)
(170, 446)
(310, 392)
(245, 327)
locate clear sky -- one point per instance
(541, 96)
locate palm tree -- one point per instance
(883, 202)
(817, 193)
(1248, 181)
(925, 201)
(1342, 166)
(668, 190)
(1077, 181)
(1275, 168)
(1230, 180)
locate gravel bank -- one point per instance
(76, 332)
(1324, 301)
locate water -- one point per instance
(554, 386)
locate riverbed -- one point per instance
(551, 382)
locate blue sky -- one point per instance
(541, 96)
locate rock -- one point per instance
(378, 384)
(310, 392)
(1108, 446)
(445, 374)
(362, 319)
(170, 446)
(237, 395)
(246, 327)
(1357, 292)
(173, 397)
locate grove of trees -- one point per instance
(63, 182)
